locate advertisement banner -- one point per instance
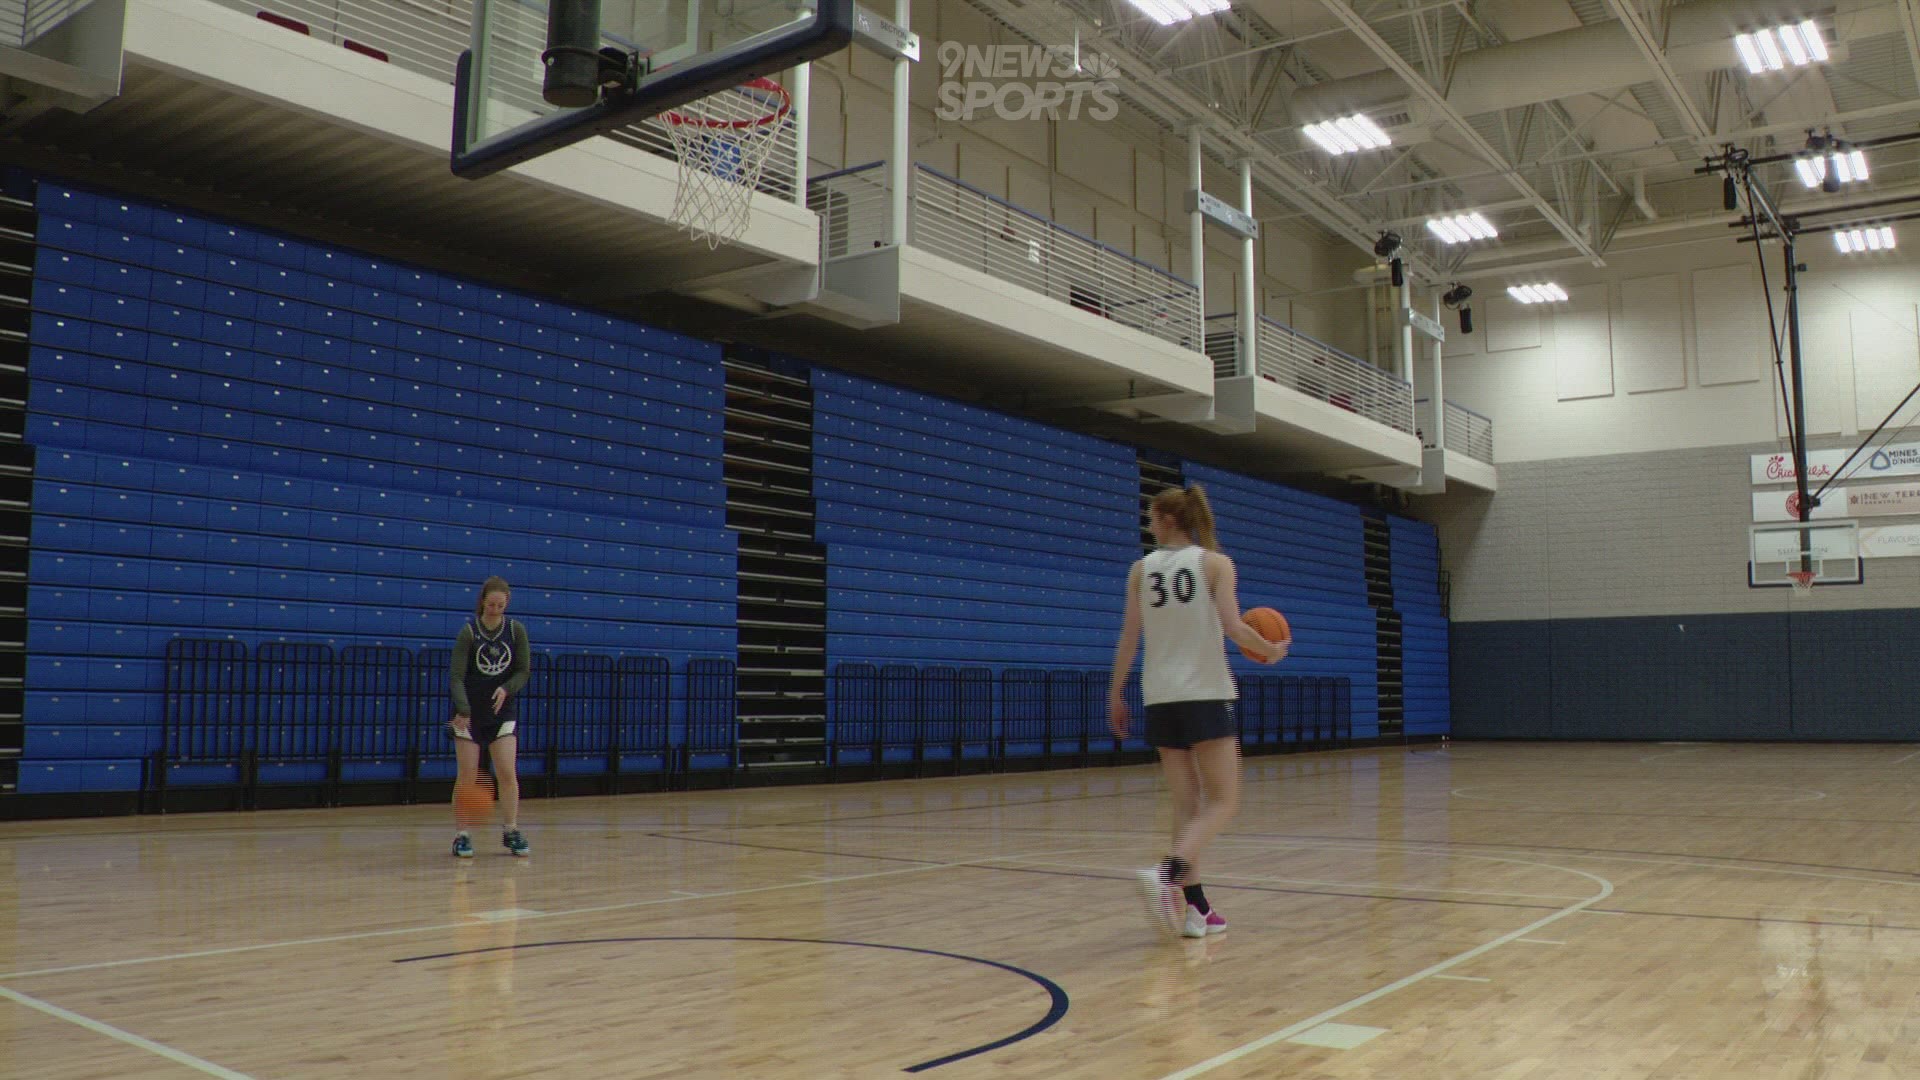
(1896, 459)
(1885, 500)
(1889, 541)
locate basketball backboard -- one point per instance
(675, 52)
(1829, 550)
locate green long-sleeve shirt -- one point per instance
(517, 673)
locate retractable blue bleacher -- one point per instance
(960, 538)
(1301, 554)
(1423, 622)
(256, 440)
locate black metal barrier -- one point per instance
(301, 713)
(899, 715)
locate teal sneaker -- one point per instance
(462, 846)
(514, 842)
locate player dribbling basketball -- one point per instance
(491, 664)
(1182, 598)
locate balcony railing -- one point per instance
(854, 207)
(1314, 368)
(958, 221)
(23, 22)
(1469, 433)
(427, 37)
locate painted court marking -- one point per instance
(179, 1057)
(1371, 996)
(1338, 1036)
(506, 914)
(363, 935)
(1538, 941)
(1464, 978)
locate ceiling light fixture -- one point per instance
(1169, 12)
(1855, 241)
(1781, 47)
(1547, 293)
(1346, 135)
(1461, 228)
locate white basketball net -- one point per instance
(722, 156)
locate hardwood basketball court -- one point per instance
(1512, 911)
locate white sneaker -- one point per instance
(1161, 899)
(1197, 925)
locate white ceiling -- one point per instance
(1548, 115)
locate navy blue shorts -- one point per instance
(485, 726)
(1181, 725)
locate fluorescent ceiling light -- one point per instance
(1461, 228)
(1347, 135)
(1537, 294)
(1779, 48)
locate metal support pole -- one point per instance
(802, 128)
(1795, 373)
(1249, 323)
(1405, 359)
(899, 165)
(1197, 225)
(1436, 381)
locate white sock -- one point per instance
(461, 832)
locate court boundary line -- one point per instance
(1245, 1049)
(101, 1027)
(593, 910)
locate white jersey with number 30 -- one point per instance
(1186, 658)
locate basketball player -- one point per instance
(1182, 596)
(490, 665)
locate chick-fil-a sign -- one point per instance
(1898, 459)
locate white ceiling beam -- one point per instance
(1438, 101)
(1665, 75)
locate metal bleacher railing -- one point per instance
(940, 717)
(1316, 369)
(957, 221)
(306, 713)
(428, 38)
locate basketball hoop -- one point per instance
(722, 156)
(1802, 580)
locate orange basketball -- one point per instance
(1269, 624)
(473, 803)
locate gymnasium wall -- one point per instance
(1119, 180)
(1668, 350)
(1603, 592)
(1606, 597)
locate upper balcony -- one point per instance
(1326, 410)
(1004, 291)
(1465, 443)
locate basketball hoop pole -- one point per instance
(1796, 374)
(1760, 206)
